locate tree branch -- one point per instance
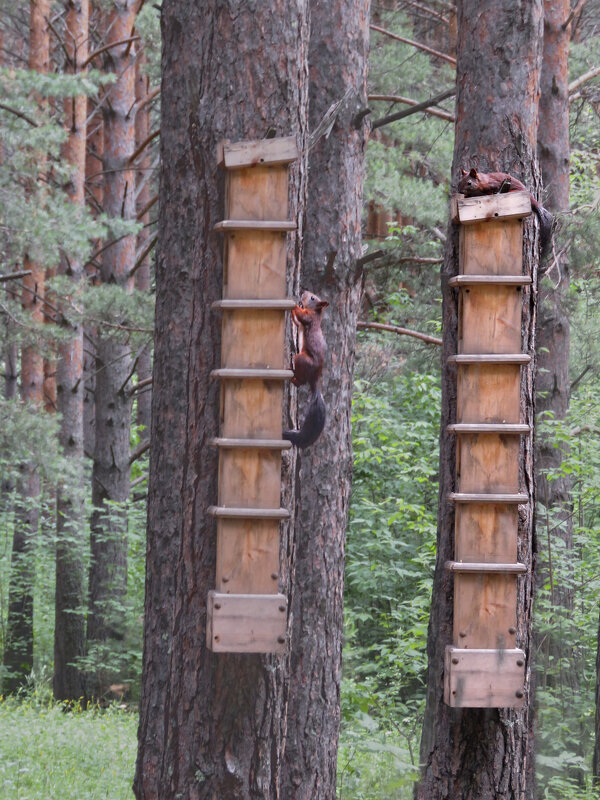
(103, 49)
(14, 275)
(433, 101)
(583, 79)
(19, 114)
(143, 145)
(393, 98)
(403, 331)
(139, 451)
(418, 45)
(574, 12)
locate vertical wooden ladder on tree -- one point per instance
(246, 613)
(483, 667)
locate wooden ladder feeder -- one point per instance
(246, 613)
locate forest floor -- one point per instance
(52, 754)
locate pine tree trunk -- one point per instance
(18, 651)
(142, 275)
(553, 333)
(486, 753)
(338, 54)
(110, 475)
(211, 725)
(69, 628)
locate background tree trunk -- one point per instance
(468, 752)
(69, 628)
(18, 652)
(110, 475)
(338, 53)
(211, 725)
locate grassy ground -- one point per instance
(47, 754)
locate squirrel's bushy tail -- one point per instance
(313, 424)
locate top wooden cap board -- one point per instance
(233, 155)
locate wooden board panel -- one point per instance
(246, 623)
(488, 393)
(488, 462)
(258, 193)
(251, 409)
(250, 478)
(233, 155)
(486, 532)
(492, 207)
(490, 321)
(255, 264)
(485, 610)
(253, 338)
(247, 556)
(495, 248)
(484, 678)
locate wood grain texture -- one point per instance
(249, 478)
(255, 265)
(493, 207)
(247, 556)
(485, 610)
(490, 319)
(246, 623)
(491, 249)
(488, 463)
(488, 393)
(251, 408)
(233, 155)
(484, 678)
(486, 531)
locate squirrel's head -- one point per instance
(311, 301)
(468, 179)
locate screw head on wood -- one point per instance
(217, 606)
(274, 575)
(216, 637)
(281, 639)
(512, 630)
(225, 579)
(520, 662)
(462, 634)
(282, 608)
(519, 694)
(455, 660)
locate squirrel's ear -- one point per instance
(473, 173)
(463, 172)
(322, 304)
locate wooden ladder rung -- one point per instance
(250, 444)
(256, 374)
(490, 280)
(490, 358)
(227, 225)
(224, 512)
(472, 497)
(488, 427)
(476, 566)
(260, 303)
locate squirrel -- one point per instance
(473, 184)
(308, 366)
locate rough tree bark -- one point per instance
(338, 53)
(69, 628)
(553, 333)
(110, 475)
(211, 726)
(479, 753)
(18, 652)
(142, 275)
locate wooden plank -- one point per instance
(227, 225)
(251, 408)
(503, 428)
(258, 193)
(486, 531)
(484, 567)
(488, 497)
(249, 478)
(484, 678)
(246, 623)
(488, 392)
(490, 358)
(491, 280)
(488, 462)
(255, 265)
(491, 249)
(485, 610)
(235, 373)
(490, 321)
(247, 556)
(223, 512)
(233, 155)
(253, 339)
(493, 207)
(278, 304)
